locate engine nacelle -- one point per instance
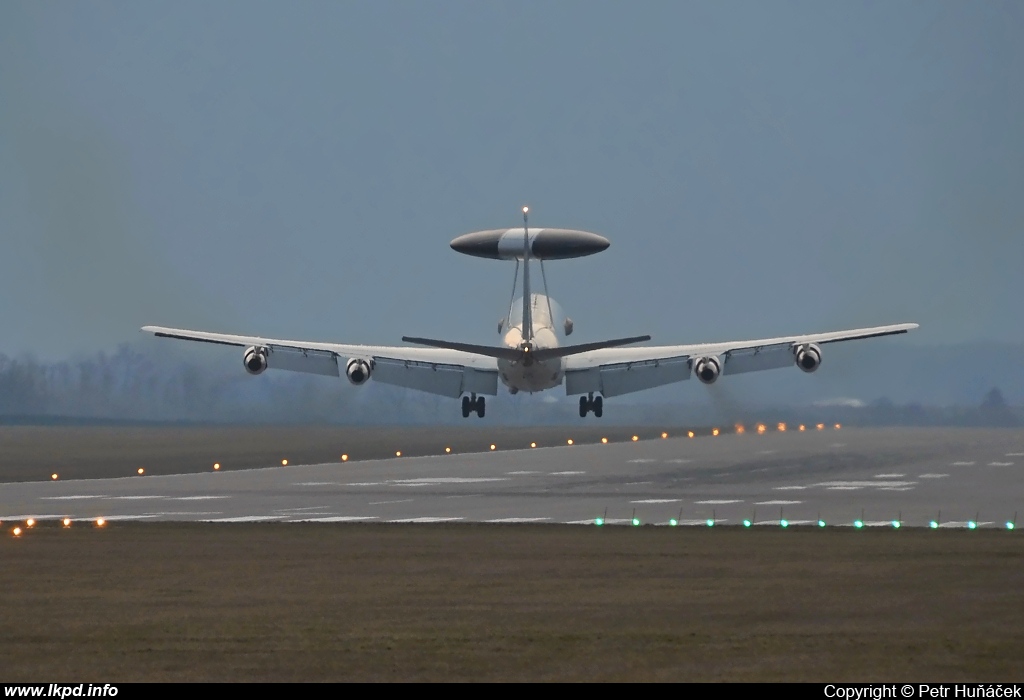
(358, 371)
(707, 369)
(808, 357)
(255, 360)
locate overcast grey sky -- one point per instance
(298, 169)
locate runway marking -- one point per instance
(722, 502)
(678, 461)
(607, 521)
(863, 484)
(658, 500)
(838, 444)
(125, 517)
(133, 498)
(517, 520)
(521, 473)
(932, 476)
(296, 510)
(384, 503)
(889, 476)
(566, 473)
(327, 483)
(641, 461)
(196, 498)
(1015, 454)
(777, 523)
(243, 519)
(851, 488)
(766, 452)
(963, 464)
(449, 480)
(1000, 464)
(183, 512)
(67, 498)
(789, 488)
(897, 488)
(637, 483)
(964, 523)
(778, 503)
(335, 519)
(426, 520)
(47, 516)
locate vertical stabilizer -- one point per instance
(527, 301)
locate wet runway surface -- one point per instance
(952, 476)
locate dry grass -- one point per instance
(172, 601)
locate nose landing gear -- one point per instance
(474, 404)
(590, 403)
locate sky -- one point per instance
(297, 170)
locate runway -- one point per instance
(912, 476)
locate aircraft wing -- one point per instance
(434, 370)
(616, 371)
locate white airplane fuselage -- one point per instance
(528, 375)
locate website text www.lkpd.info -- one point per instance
(60, 690)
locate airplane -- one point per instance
(530, 359)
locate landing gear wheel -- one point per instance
(465, 407)
(480, 407)
(590, 403)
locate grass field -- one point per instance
(283, 602)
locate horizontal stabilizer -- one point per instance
(548, 353)
(518, 354)
(503, 353)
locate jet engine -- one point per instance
(358, 371)
(808, 357)
(707, 369)
(255, 360)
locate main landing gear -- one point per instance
(590, 403)
(469, 405)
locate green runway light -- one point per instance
(858, 524)
(971, 525)
(746, 522)
(636, 521)
(1010, 525)
(673, 522)
(599, 522)
(711, 523)
(821, 523)
(933, 525)
(784, 523)
(896, 524)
